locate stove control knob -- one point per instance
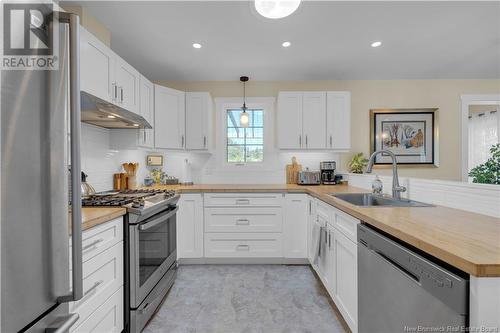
(137, 204)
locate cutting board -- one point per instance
(292, 171)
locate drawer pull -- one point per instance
(242, 222)
(242, 201)
(93, 244)
(94, 287)
(242, 248)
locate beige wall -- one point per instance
(370, 94)
(90, 23)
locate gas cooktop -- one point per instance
(126, 197)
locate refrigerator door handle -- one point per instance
(73, 22)
(65, 326)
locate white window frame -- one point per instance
(222, 104)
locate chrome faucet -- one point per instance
(396, 188)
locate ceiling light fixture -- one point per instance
(111, 117)
(244, 115)
(276, 9)
(376, 44)
(286, 44)
(197, 45)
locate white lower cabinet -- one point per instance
(190, 226)
(101, 307)
(295, 226)
(345, 293)
(108, 318)
(243, 245)
(311, 220)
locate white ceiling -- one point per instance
(330, 40)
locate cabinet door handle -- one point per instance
(242, 201)
(242, 222)
(144, 131)
(331, 142)
(121, 94)
(114, 93)
(182, 141)
(93, 244)
(204, 141)
(306, 141)
(329, 239)
(94, 287)
(300, 140)
(242, 248)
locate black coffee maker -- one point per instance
(328, 173)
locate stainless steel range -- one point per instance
(150, 249)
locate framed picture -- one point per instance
(409, 133)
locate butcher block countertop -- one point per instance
(468, 241)
(93, 216)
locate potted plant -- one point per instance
(489, 171)
(357, 163)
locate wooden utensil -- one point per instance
(292, 171)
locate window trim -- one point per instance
(222, 104)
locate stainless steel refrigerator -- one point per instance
(40, 141)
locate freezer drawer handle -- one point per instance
(93, 244)
(66, 325)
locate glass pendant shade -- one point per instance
(244, 119)
(276, 9)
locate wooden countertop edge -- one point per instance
(475, 269)
(107, 215)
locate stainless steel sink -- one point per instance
(372, 200)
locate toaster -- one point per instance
(309, 178)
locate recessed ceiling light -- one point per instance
(197, 45)
(111, 117)
(376, 44)
(135, 125)
(286, 44)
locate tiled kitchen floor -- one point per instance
(246, 298)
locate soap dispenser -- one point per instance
(377, 186)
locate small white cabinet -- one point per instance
(295, 226)
(169, 118)
(146, 109)
(345, 292)
(198, 120)
(311, 220)
(190, 226)
(127, 83)
(314, 120)
(338, 120)
(97, 67)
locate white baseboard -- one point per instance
(243, 261)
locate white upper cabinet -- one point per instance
(127, 82)
(97, 66)
(338, 120)
(146, 109)
(290, 120)
(295, 226)
(169, 118)
(198, 120)
(313, 120)
(107, 76)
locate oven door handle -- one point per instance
(158, 220)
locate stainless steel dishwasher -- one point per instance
(402, 291)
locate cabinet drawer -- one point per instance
(346, 224)
(243, 219)
(106, 318)
(102, 276)
(99, 238)
(243, 199)
(238, 245)
(324, 211)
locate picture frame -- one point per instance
(154, 160)
(411, 134)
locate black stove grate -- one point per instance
(123, 197)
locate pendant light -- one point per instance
(244, 119)
(276, 9)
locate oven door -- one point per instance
(152, 252)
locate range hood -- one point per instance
(98, 112)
